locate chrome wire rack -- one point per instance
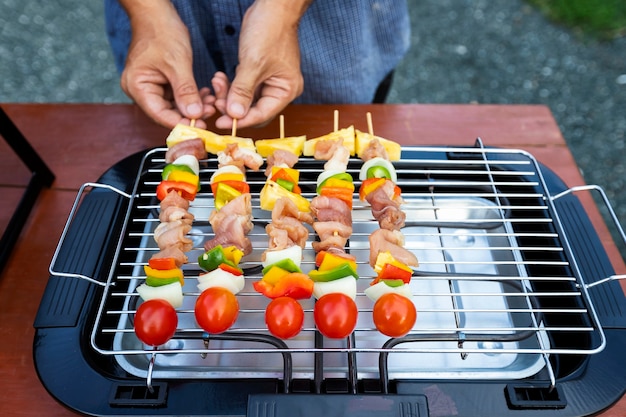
(497, 291)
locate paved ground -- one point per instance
(485, 51)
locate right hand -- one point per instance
(268, 76)
(158, 75)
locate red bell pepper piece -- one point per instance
(282, 174)
(342, 193)
(230, 268)
(295, 285)
(186, 190)
(390, 271)
(162, 263)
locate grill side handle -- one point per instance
(62, 240)
(613, 216)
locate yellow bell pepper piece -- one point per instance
(275, 274)
(224, 193)
(387, 258)
(294, 174)
(184, 176)
(233, 254)
(229, 176)
(332, 261)
(336, 182)
(164, 273)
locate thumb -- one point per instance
(186, 95)
(241, 94)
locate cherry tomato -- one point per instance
(394, 315)
(155, 322)
(335, 315)
(284, 317)
(216, 309)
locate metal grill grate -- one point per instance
(497, 290)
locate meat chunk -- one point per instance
(173, 199)
(383, 240)
(286, 228)
(173, 213)
(193, 147)
(386, 208)
(285, 207)
(231, 224)
(326, 208)
(173, 234)
(234, 155)
(280, 157)
(332, 234)
(174, 252)
(374, 149)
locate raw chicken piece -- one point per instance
(173, 233)
(234, 155)
(383, 240)
(386, 208)
(193, 147)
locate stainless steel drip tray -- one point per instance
(475, 315)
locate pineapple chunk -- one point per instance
(347, 134)
(363, 139)
(293, 144)
(271, 192)
(213, 143)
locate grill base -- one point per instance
(588, 384)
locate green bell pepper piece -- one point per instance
(212, 259)
(157, 282)
(393, 283)
(174, 167)
(286, 264)
(378, 172)
(340, 176)
(287, 185)
(341, 271)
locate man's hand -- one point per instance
(158, 75)
(268, 76)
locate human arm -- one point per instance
(268, 76)
(158, 74)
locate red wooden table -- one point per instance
(81, 141)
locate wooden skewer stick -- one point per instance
(370, 125)
(234, 131)
(336, 121)
(282, 126)
(192, 123)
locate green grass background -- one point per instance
(603, 19)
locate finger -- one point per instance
(208, 102)
(263, 111)
(220, 85)
(241, 92)
(187, 97)
(151, 97)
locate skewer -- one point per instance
(234, 131)
(336, 121)
(192, 123)
(282, 126)
(370, 125)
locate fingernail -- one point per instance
(236, 110)
(194, 109)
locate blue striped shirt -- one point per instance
(347, 47)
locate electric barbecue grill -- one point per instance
(519, 310)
